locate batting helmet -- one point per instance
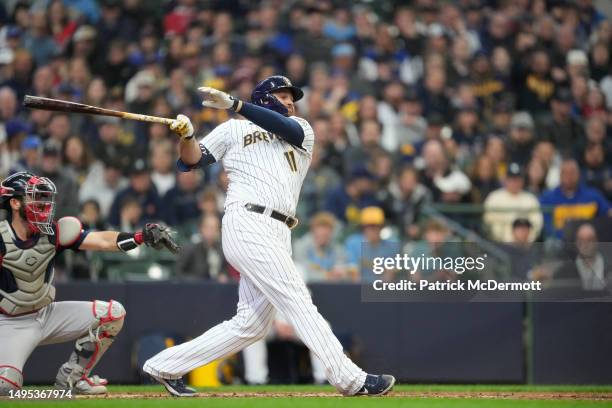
(38, 195)
(262, 94)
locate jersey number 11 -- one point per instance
(290, 156)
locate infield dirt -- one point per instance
(519, 395)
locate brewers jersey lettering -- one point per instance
(263, 169)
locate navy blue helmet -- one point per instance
(262, 94)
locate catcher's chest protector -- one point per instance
(29, 269)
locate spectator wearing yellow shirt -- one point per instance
(572, 200)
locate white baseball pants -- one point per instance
(260, 248)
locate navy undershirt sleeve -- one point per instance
(75, 246)
(287, 129)
(206, 159)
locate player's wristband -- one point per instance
(126, 241)
(237, 104)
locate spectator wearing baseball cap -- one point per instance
(501, 116)
(29, 153)
(346, 201)
(31, 142)
(562, 129)
(343, 58)
(453, 186)
(13, 35)
(510, 202)
(84, 42)
(16, 130)
(67, 202)
(68, 92)
(363, 247)
(142, 190)
(597, 169)
(577, 63)
(14, 133)
(522, 137)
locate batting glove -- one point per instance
(213, 98)
(182, 126)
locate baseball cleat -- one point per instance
(175, 387)
(91, 386)
(377, 385)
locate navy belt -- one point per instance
(288, 220)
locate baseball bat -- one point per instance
(37, 102)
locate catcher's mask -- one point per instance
(37, 195)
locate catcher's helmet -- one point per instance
(38, 196)
(262, 94)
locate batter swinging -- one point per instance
(266, 156)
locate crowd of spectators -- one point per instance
(415, 105)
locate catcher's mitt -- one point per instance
(158, 236)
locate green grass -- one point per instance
(398, 387)
(318, 403)
(331, 402)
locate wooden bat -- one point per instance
(37, 102)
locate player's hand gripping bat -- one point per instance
(37, 102)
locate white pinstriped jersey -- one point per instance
(262, 168)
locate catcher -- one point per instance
(29, 243)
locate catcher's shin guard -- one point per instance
(10, 379)
(89, 349)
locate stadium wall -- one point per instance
(417, 342)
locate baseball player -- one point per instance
(29, 243)
(266, 156)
